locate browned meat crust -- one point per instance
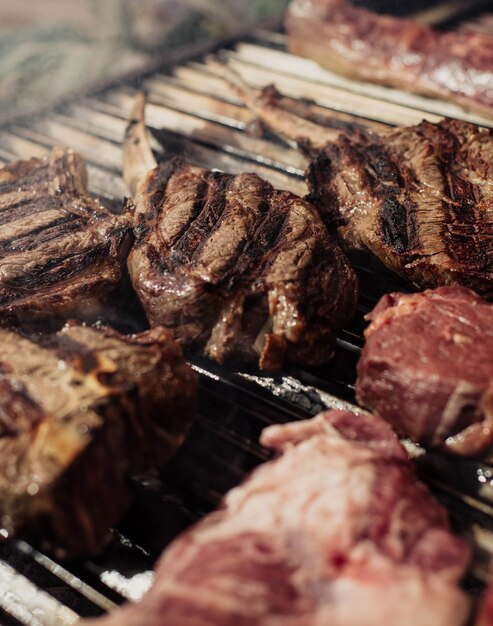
(61, 251)
(420, 198)
(79, 411)
(335, 531)
(238, 269)
(427, 368)
(353, 41)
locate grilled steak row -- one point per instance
(230, 265)
(80, 410)
(419, 197)
(336, 530)
(427, 368)
(358, 43)
(61, 251)
(237, 269)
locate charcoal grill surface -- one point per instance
(192, 112)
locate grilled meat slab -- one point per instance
(358, 43)
(61, 251)
(419, 197)
(235, 268)
(79, 411)
(336, 530)
(427, 368)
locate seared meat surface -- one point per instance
(61, 251)
(335, 531)
(427, 368)
(235, 268)
(358, 43)
(79, 411)
(419, 197)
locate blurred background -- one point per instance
(49, 48)
(52, 48)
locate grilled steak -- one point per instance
(358, 43)
(427, 367)
(235, 268)
(420, 197)
(337, 530)
(61, 251)
(79, 411)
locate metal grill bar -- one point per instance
(192, 111)
(28, 604)
(65, 576)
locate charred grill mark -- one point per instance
(156, 258)
(319, 177)
(55, 270)
(268, 233)
(201, 194)
(26, 207)
(50, 231)
(412, 225)
(251, 263)
(466, 228)
(156, 191)
(142, 229)
(208, 209)
(213, 212)
(485, 230)
(383, 168)
(393, 222)
(160, 180)
(56, 230)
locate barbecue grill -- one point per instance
(191, 111)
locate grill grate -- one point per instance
(191, 111)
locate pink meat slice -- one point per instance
(427, 368)
(336, 530)
(361, 44)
